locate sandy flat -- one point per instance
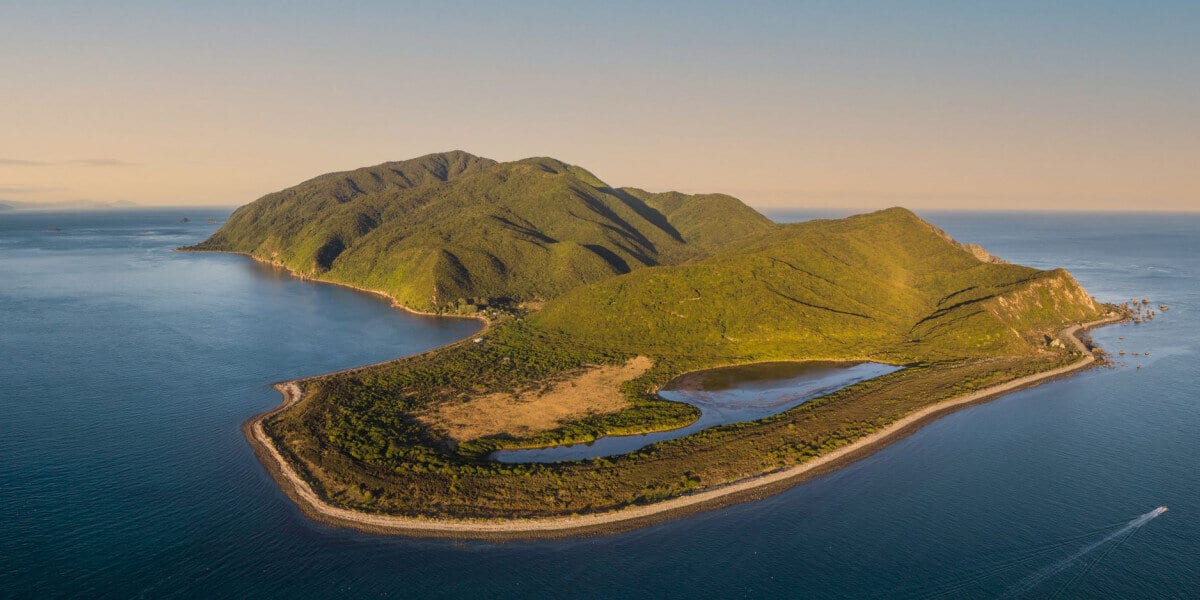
(594, 391)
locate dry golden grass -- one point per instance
(591, 392)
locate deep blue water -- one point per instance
(126, 371)
(743, 394)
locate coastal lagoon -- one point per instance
(128, 370)
(728, 395)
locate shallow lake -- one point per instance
(726, 395)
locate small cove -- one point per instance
(724, 395)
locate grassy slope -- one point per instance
(886, 286)
(453, 232)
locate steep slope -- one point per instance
(695, 218)
(454, 231)
(885, 284)
(279, 222)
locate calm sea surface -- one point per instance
(126, 371)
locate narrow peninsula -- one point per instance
(593, 299)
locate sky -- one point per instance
(931, 105)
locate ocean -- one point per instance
(127, 369)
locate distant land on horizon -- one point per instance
(14, 205)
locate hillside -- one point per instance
(882, 284)
(413, 437)
(611, 293)
(454, 232)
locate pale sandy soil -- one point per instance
(594, 391)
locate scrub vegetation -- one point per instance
(455, 233)
(583, 279)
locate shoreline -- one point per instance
(624, 519)
(391, 300)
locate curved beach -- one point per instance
(634, 516)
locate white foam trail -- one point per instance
(1033, 580)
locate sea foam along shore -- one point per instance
(635, 516)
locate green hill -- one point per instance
(452, 231)
(686, 282)
(880, 284)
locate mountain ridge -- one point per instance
(441, 232)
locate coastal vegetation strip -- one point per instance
(358, 459)
(869, 440)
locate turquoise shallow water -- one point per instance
(127, 369)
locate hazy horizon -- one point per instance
(768, 210)
(1020, 106)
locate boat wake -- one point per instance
(1111, 537)
(1119, 536)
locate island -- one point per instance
(593, 299)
